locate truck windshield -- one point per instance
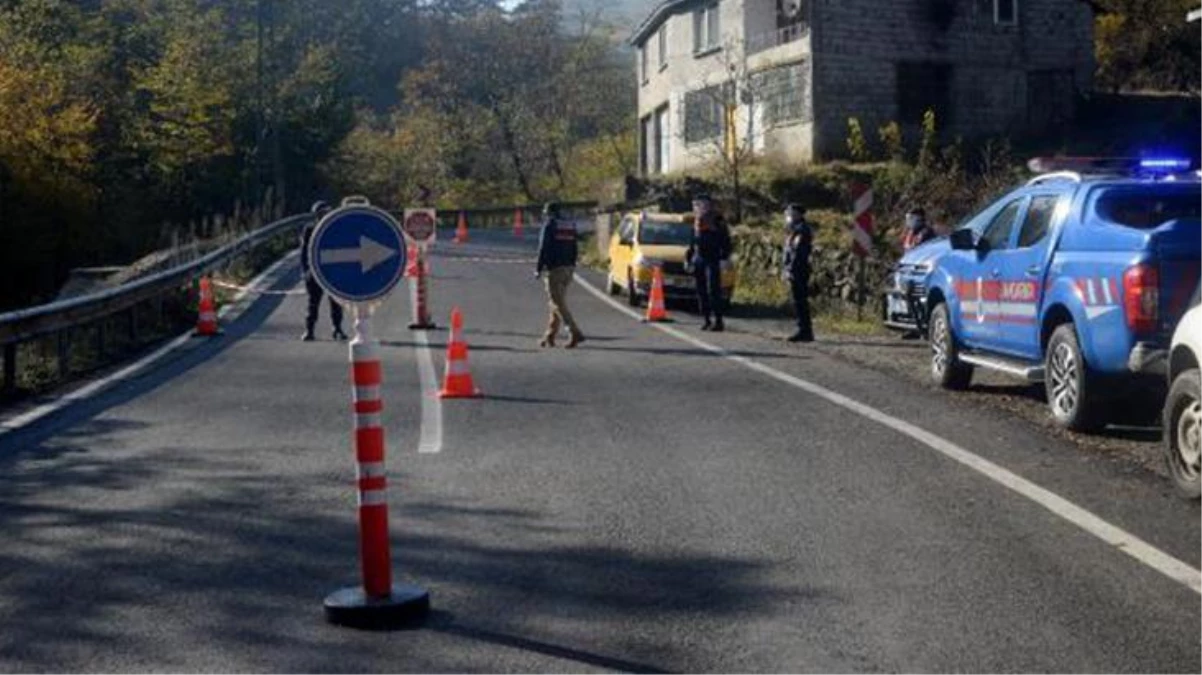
(1146, 209)
(663, 233)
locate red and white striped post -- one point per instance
(378, 603)
(420, 293)
(861, 237)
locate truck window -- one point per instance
(997, 233)
(1148, 209)
(1039, 217)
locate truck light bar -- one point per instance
(1123, 165)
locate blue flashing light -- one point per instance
(1165, 164)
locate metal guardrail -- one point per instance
(34, 322)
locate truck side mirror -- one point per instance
(963, 240)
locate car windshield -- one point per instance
(1146, 210)
(665, 233)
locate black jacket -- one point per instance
(557, 244)
(711, 238)
(305, 235)
(799, 243)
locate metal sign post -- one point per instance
(358, 256)
(419, 226)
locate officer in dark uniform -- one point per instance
(557, 257)
(708, 253)
(311, 286)
(799, 243)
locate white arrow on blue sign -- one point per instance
(357, 253)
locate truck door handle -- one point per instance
(1033, 270)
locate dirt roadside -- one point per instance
(1132, 441)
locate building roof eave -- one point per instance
(657, 16)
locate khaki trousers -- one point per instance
(558, 280)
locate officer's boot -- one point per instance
(718, 325)
(308, 336)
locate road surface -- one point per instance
(643, 503)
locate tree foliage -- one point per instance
(122, 121)
(1143, 45)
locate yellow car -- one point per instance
(644, 241)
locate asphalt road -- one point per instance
(639, 504)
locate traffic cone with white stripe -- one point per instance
(656, 310)
(458, 380)
(206, 320)
(461, 229)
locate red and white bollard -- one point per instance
(420, 294)
(378, 603)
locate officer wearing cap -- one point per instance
(795, 268)
(708, 253)
(557, 257)
(314, 290)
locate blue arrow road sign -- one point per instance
(357, 253)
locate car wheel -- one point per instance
(1183, 434)
(947, 369)
(632, 296)
(611, 284)
(1074, 393)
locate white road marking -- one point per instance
(431, 433)
(125, 373)
(1114, 536)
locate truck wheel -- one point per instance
(1183, 434)
(612, 285)
(947, 369)
(1074, 393)
(632, 295)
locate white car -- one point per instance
(1183, 407)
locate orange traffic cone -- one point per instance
(458, 380)
(206, 320)
(461, 229)
(655, 306)
(517, 222)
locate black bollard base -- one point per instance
(422, 326)
(351, 607)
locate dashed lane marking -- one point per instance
(1110, 534)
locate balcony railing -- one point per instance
(778, 37)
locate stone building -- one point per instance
(782, 77)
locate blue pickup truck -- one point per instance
(1075, 279)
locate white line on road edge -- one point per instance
(125, 373)
(431, 431)
(1110, 534)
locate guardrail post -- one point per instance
(64, 365)
(10, 367)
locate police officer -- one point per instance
(708, 253)
(918, 230)
(557, 257)
(799, 243)
(319, 210)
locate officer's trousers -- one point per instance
(800, 287)
(558, 280)
(315, 292)
(708, 276)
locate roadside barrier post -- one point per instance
(358, 256)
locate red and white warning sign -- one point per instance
(419, 225)
(862, 226)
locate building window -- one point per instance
(645, 143)
(1005, 12)
(663, 135)
(706, 29)
(703, 114)
(783, 93)
(643, 63)
(922, 87)
(663, 46)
